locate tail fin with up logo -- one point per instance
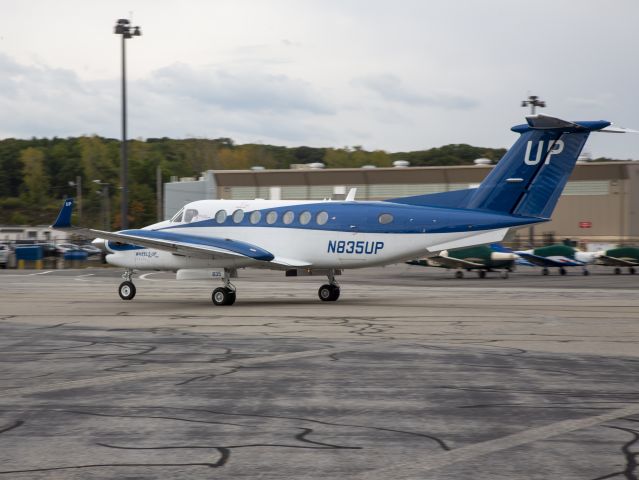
(529, 179)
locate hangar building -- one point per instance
(600, 203)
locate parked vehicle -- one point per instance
(48, 249)
(90, 249)
(4, 256)
(62, 248)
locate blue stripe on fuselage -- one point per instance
(363, 217)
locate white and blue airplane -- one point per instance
(325, 237)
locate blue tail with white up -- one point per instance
(529, 179)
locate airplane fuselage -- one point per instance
(317, 234)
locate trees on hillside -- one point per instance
(35, 174)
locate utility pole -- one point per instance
(158, 192)
(122, 27)
(533, 101)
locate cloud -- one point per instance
(238, 90)
(175, 101)
(390, 88)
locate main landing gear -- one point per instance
(224, 295)
(330, 291)
(126, 288)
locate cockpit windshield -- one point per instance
(177, 218)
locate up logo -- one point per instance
(556, 146)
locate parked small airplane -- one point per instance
(482, 258)
(325, 237)
(560, 256)
(620, 257)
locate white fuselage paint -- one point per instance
(305, 247)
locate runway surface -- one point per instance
(410, 375)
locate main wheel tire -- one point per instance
(586, 272)
(459, 274)
(545, 271)
(481, 273)
(126, 290)
(631, 270)
(328, 293)
(562, 271)
(617, 271)
(336, 292)
(325, 293)
(223, 296)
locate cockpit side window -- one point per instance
(190, 215)
(177, 218)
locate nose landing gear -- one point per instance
(126, 290)
(224, 295)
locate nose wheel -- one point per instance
(225, 295)
(126, 290)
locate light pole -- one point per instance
(123, 27)
(533, 101)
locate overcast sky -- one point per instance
(392, 75)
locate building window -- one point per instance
(385, 218)
(322, 218)
(220, 216)
(288, 217)
(238, 216)
(305, 217)
(271, 217)
(256, 216)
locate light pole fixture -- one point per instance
(534, 102)
(123, 27)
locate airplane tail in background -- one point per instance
(529, 179)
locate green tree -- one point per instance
(36, 181)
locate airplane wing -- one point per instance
(616, 261)
(449, 262)
(191, 245)
(548, 261)
(445, 262)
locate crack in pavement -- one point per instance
(215, 367)
(415, 470)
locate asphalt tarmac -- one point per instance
(411, 374)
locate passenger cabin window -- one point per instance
(322, 218)
(271, 217)
(177, 218)
(238, 216)
(220, 216)
(256, 216)
(385, 218)
(305, 217)
(288, 217)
